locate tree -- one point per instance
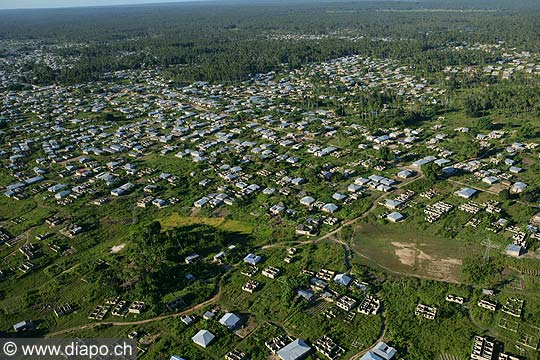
(420, 354)
(470, 149)
(505, 195)
(385, 153)
(527, 131)
(109, 117)
(340, 111)
(152, 229)
(483, 123)
(220, 238)
(478, 271)
(528, 196)
(476, 106)
(431, 172)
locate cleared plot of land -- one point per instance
(401, 248)
(177, 219)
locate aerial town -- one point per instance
(355, 207)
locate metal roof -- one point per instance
(295, 350)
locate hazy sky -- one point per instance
(27, 4)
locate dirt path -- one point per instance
(382, 333)
(352, 221)
(348, 256)
(139, 322)
(350, 251)
(335, 231)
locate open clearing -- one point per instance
(176, 220)
(402, 249)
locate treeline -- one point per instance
(233, 59)
(476, 20)
(234, 40)
(517, 96)
(153, 266)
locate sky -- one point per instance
(29, 4)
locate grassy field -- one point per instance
(401, 248)
(177, 219)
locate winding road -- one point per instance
(192, 309)
(330, 235)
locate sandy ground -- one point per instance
(442, 268)
(117, 248)
(406, 253)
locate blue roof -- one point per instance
(520, 185)
(305, 294)
(405, 172)
(392, 202)
(252, 259)
(449, 170)
(422, 162)
(512, 248)
(467, 192)
(307, 199)
(330, 207)
(209, 314)
(34, 180)
(230, 320)
(381, 351)
(395, 216)
(370, 356)
(20, 324)
(342, 279)
(203, 338)
(375, 178)
(295, 350)
(384, 351)
(23, 325)
(441, 162)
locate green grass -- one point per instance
(176, 220)
(401, 248)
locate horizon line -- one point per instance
(127, 3)
(121, 4)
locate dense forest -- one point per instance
(227, 42)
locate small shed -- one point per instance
(515, 250)
(252, 259)
(229, 320)
(25, 325)
(296, 350)
(330, 208)
(466, 193)
(395, 217)
(342, 279)
(203, 338)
